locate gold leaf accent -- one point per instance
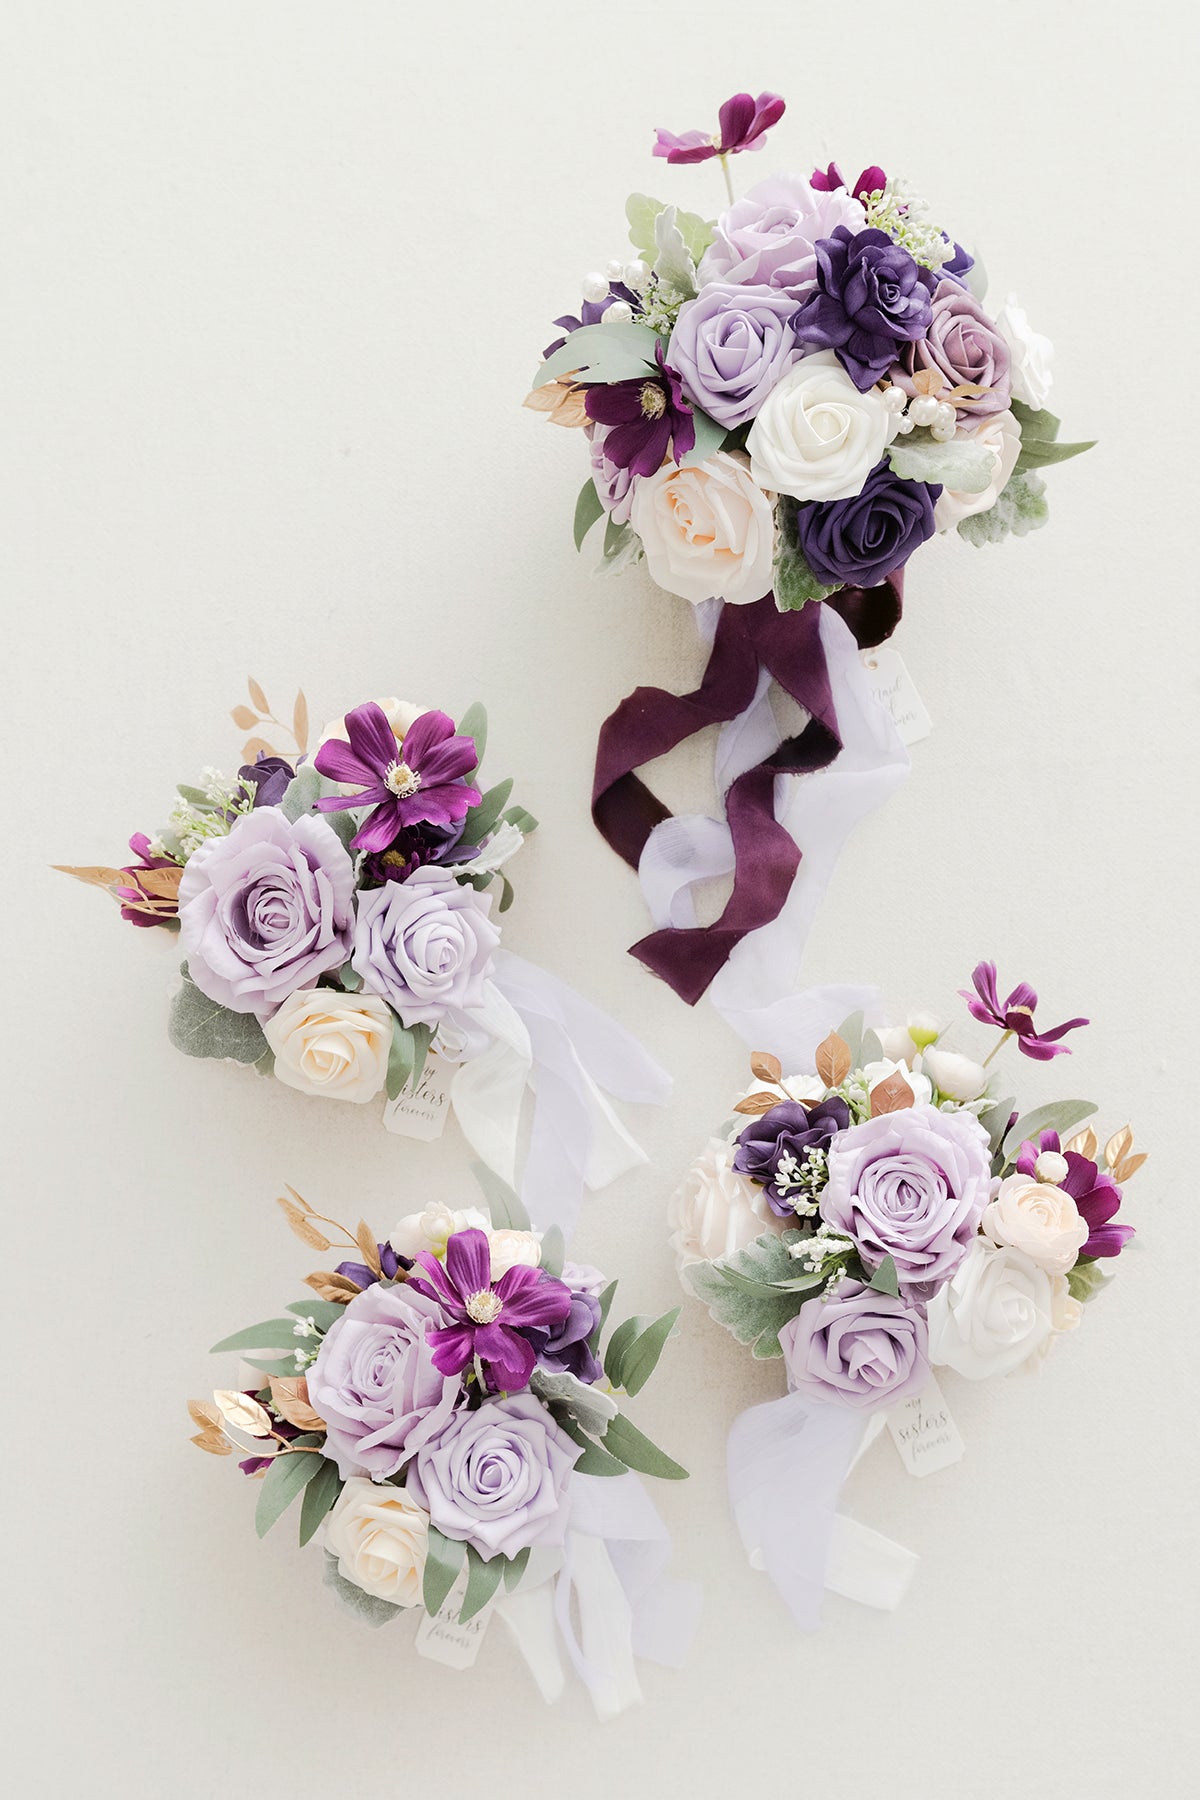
(929, 381)
(289, 1397)
(892, 1095)
(755, 1104)
(94, 874)
(561, 401)
(257, 695)
(833, 1061)
(766, 1066)
(215, 1442)
(205, 1415)
(243, 1412)
(252, 747)
(243, 718)
(1129, 1165)
(301, 1225)
(364, 1237)
(158, 884)
(328, 1286)
(1117, 1146)
(300, 722)
(1084, 1143)
(971, 390)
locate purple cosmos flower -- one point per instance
(744, 123)
(1095, 1193)
(564, 1348)
(269, 776)
(648, 416)
(772, 1147)
(871, 298)
(419, 782)
(489, 1317)
(1015, 1014)
(828, 181)
(414, 848)
(149, 902)
(389, 1262)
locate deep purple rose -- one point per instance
(964, 345)
(911, 1185)
(425, 945)
(860, 1348)
(497, 1476)
(563, 1348)
(269, 776)
(266, 910)
(375, 1384)
(856, 542)
(730, 346)
(772, 1147)
(871, 297)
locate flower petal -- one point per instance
(469, 1261)
(427, 730)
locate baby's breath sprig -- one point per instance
(905, 217)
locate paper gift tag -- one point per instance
(893, 687)
(421, 1113)
(924, 1433)
(444, 1640)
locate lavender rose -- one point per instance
(772, 1148)
(856, 542)
(871, 296)
(614, 485)
(374, 1382)
(859, 1348)
(730, 346)
(769, 238)
(497, 1476)
(911, 1185)
(425, 944)
(962, 344)
(266, 910)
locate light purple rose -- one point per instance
(614, 485)
(374, 1382)
(964, 345)
(730, 346)
(497, 1476)
(859, 1349)
(911, 1185)
(266, 910)
(768, 238)
(425, 945)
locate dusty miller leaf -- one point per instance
(199, 1027)
(961, 465)
(754, 1311)
(367, 1607)
(1020, 509)
(590, 1407)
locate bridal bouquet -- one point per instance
(338, 919)
(781, 406)
(879, 1217)
(443, 1407)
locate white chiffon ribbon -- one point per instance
(548, 1041)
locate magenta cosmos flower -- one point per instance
(744, 123)
(488, 1317)
(1015, 1014)
(1095, 1193)
(419, 782)
(829, 180)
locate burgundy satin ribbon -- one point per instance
(652, 721)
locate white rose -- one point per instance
(716, 1211)
(958, 1077)
(429, 1230)
(816, 437)
(1002, 436)
(920, 1084)
(333, 1044)
(1031, 353)
(512, 1247)
(380, 1538)
(1041, 1220)
(708, 530)
(995, 1312)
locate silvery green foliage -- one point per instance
(643, 214)
(1020, 509)
(1085, 1280)
(754, 1292)
(367, 1607)
(961, 464)
(1059, 1115)
(199, 1027)
(793, 580)
(673, 263)
(590, 1407)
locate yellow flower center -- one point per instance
(654, 401)
(485, 1307)
(401, 780)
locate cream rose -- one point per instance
(512, 1247)
(1039, 1219)
(1032, 355)
(708, 530)
(817, 437)
(996, 1311)
(1000, 434)
(380, 1538)
(715, 1211)
(333, 1044)
(429, 1230)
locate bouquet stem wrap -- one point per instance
(751, 645)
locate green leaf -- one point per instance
(319, 1496)
(618, 1343)
(508, 1212)
(1035, 422)
(553, 1251)
(885, 1279)
(443, 1560)
(306, 785)
(273, 1334)
(473, 724)
(343, 825)
(794, 582)
(590, 1406)
(1038, 455)
(751, 1306)
(1085, 1281)
(642, 211)
(1020, 509)
(401, 1058)
(962, 465)
(288, 1473)
(349, 978)
(635, 1450)
(641, 1358)
(621, 545)
(674, 264)
(606, 1300)
(481, 820)
(279, 1365)
(323, 1313)
(524, 821)
(195, 797)
(995, 1122)
(709, 438)
(588, 508)
(604, 353)
(483, 1578)
(507, 894)
(594, 1460)
(422, 1036)
(514, 1568)
(199, 1027)
(1060, 1115)
(367, 1607)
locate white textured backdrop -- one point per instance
(275, 279)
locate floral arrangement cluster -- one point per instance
(334, 911)
(795, 396)
(433, 1404)
(890, 1212)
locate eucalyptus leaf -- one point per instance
(588, 508)
(1039, 455)
(323, 1313)
(709, 438)
(483, 1578)
(273, 1334)
(618, 1343)
(473, 724)
(589, 1406)
(319, 1496)
(200, 1027)
(1060, 1115)
(524, 821)
(606, 1299)
(594, 1460)
(995, 1122)
(553, 1251)
(277, 1365)
(622, 545)
(507, 894)
(1020, 509)
(641, 1356)
(962, 465)
(1035, 422)
(195, 797)
(367, 1607)
(443, 1560)
(514, 1568)
(626, 1442)
(885, 1279)
(422, 1036)
(604, 353)
(288, 1472)
(401, 1057)
(349, 978)
(508, 1213)
(480, 821)
(851, 1034)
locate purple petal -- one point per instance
(338, 761)
(424, 734)
(510, 1356)
(371, 737)
(446, 762)
(469, 1261)
(531, 1297)
(1109, 1240)
(382, 828)
(452, 1347)
(735, 119)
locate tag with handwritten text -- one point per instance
(893, 687)
(924, 1433)
(444, 1640)
(421, 1112)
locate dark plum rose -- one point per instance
(772, 1147)
(856, 542)
(871, 299)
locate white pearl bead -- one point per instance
(595, 287)
(903, 424)
(923, 410)
(636, 275)
(941, 434)
(619, 313)
(895, 399)
(614, 269)
(945, 414)
(1052, 1167)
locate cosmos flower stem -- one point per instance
(997, 1047)
(724, 162)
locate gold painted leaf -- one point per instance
(300, 721)
(328, 1286)
(252, 747)
(1084, 1143)
(929, 381)
(243, 1412)
(205, 1415)
(215, 1442)
(754, 1104)
(95, 875)
(364, 1237)
(160, 884)
(243, 718)
(892, 1095)
(1129, 1165)
(833, 1061)
(257, 695)
(766, 1066)
(304, 1229)
(561, 401)
(289, 1397)
(1117, 1146)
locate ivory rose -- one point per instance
(332, 1044)
(380, 1538)
(708, 530)
(716, 1211)
(996, 1311)
(1002, 436)
(817, 437)
(1039, 1219)
(1032, 355)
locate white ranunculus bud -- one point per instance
(958, 1077)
